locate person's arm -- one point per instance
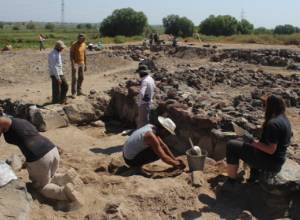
(57, 68)
(166, 148)
(269, 149)
(143, 90)
(154, 143)
(72, 56)
(85, 66)
(270, 141)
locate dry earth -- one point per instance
(23, 75)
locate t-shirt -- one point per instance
(23, 134)
(78, 52)
(135, 143)
(278, 131)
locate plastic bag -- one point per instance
(6, 174)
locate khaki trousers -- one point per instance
(77, 79)
(42, 174)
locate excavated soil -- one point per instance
(89, 150)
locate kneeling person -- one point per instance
(145, 145)
(42, 158)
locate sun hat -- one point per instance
(60, 44)
(168, 124)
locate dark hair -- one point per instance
(274, 106)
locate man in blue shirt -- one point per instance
(59, 83)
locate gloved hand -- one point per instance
(248, 138)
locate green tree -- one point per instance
(245, 27)
(88, 26)
(225, 25)
(79, 26)
(285, 29)
(262, 30)
(30, 25)
(16, 28)
(50, 26)
(1, 25)
(126, 22)
(178, 26)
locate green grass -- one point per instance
(24, 38)
(29, 38)
(293, 39)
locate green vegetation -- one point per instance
(222, 25)
(19, 36)
(293, 39)
(178, 26)
(50, 26)
(30, 26)
(126, 22)
(286, 29)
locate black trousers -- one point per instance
(256, 159)
(145, 157)
(59, 91)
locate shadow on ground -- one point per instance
(108, 151)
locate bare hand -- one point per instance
(59, 81)
(180, 165)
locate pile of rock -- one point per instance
(79, 112)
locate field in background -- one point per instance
(24, 38)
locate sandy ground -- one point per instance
(23, 75)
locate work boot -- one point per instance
(73, 196)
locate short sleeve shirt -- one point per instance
(278, 131)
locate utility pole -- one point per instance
(242, 14)
(62, 12)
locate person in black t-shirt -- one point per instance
(267, 154)
(42, 157)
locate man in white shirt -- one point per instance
(145, 96)
(59, 83)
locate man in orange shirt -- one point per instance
(78, 62)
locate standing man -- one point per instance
(145, 96)
(42, 39)
(78, 64)
(59, 82)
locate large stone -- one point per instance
(47, 119)
(287, 181)
(80, 113)
(15, 202)
(16, 162)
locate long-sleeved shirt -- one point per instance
(55, 64)
(147, 90)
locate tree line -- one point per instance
(129, 22)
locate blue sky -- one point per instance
(266, 13)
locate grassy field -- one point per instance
(24, 38)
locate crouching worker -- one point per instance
(42, 158)
(267, 154)
(145, 145)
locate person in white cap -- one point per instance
(145, 145)
(59, 83)
(145, 97)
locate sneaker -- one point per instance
(73, 196)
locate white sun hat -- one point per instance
(168, 124)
